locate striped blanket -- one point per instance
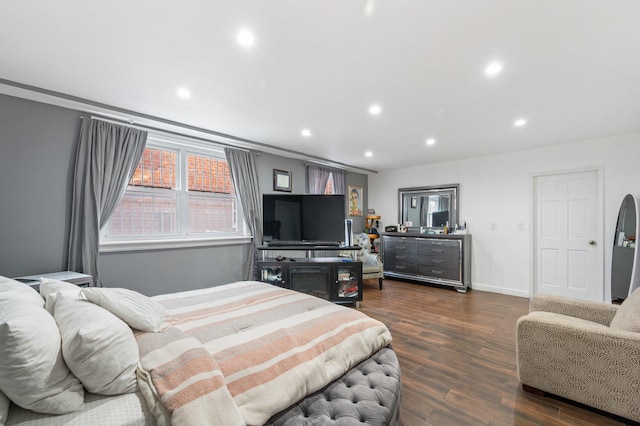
(240, 353)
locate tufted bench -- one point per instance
(370, 393)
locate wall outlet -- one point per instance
(493, 226)
(521, 226)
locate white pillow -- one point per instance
(32, 372)
(137, 310)
(97, 346)
(49, 289)
(15, 290)
(4, 408)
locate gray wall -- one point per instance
(37, 151)
(37, 156)
(266, 163)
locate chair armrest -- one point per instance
(601, 313)
(369, 259)
(580, 360)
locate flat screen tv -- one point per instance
(304, 218)
(440, 218)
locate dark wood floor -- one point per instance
(457, 354)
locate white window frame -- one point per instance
(183, 146)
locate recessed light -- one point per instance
(368, 154)
(245, 37)
(306, 133)
(184, 93)
(493, 69)
(431, 141)
(520, 122)
(375, 109)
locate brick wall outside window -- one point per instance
(154, 202)
(328, 189)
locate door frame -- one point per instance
(600, 242)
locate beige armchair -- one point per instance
(371, 263)
(588, 352)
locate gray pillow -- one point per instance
(628, 316)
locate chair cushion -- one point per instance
(371, 269)
(628, 316)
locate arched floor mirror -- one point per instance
(624, 260)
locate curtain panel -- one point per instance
(106, 157)
(242, 166)
(339, 182)
(317, 178)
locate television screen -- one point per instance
(291, 217)
(440, 218)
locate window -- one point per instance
(180, 190)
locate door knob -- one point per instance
(592, 243)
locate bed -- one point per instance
(242, 353)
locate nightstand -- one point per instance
(81, 280)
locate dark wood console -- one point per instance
(337, 279)
(432, 258)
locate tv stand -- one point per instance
(304, 243)
(337, 279)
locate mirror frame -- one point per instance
(426, 190)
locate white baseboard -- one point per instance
(500, 290)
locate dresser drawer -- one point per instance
(401, 267)
(432, 242)
(445, 272)
(399, 245)
(400, 257)
(440, 262)
(439, 249)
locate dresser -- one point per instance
(430, 258)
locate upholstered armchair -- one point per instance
(371, 263)
(588, 352)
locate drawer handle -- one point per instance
(437, 243)
(436, 272)
(400, 267)
(437, 250)
(401, 247)
(438, 261)
(401, 257)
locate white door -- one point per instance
(568, 259)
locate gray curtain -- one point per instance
(242, 166)
(106, 157)
(317, 178)
(339, 185)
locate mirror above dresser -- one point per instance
(430, 207)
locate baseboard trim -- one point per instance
(500, 290)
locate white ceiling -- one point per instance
(571, 69)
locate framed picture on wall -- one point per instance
(355, 200)
(281, 180)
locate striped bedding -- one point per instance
(239, 353)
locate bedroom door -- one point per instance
(567, 235)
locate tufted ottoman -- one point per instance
(370, 393)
